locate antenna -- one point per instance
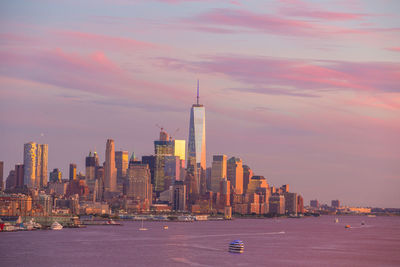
(198, 91)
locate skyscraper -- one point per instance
(121, 163)
(180, 150)
(35, 165)
(41, 166)
(162, 148)
(235, 174)
(72, 171)
(137, 184)
(218, 171)
(110, 172)
(90, 166)
(247, 174)
(30, 164)
(197, 141)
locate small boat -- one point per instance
(371, 215)
(236, 246)
(142, 228)
(112, 222)
(336, 220)
(165, 227)
(56, 226)
(347, 226)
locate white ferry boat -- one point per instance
(236, 246)
(56, 226)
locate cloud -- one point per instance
(394, 49)
(272, 24)
(99, 41)
(93, 74)
(295, 76)
(303, 9)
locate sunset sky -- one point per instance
(305, 92)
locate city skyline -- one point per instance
(304, 92)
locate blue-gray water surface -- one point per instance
(268, 242)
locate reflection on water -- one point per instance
(283, 242)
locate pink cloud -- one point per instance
(287, 76)
(394, 49)
(320, 14)
(102, 41)
(94, 73)
(242, 19)
(297, 8)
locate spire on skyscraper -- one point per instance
(198, 91)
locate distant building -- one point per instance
(197, 144)
(335, 203)
(19, 175)
(179, 196)
(121, 163)
(162, 149)
(257, 181)
(10, 181)
(314, 204)
(55, 176)
(180, 151)
(137, 184)
(91, 163)
(300, 204)
(277, 205)
(110, 172)
(30, 162)
(151, 162)
(172, 170)
(235, 174)
(285, 188)
(247, 174)
(1, 175)
(72, 171)
(225, 192)
(218, 171)
(291, 202)
(41, 166)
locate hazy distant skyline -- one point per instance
(305, 92)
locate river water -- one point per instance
(268, 242)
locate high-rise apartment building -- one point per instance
(30, 164)
(41, 165)
(218, 171)
(235, 174)
(110, 172)
(72, 171)
(197, 141)
(35, 165)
